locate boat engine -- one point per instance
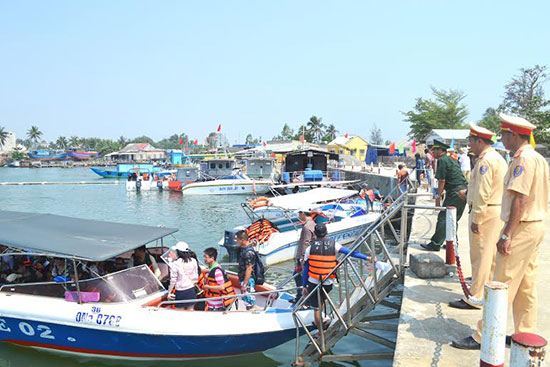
(231, 245)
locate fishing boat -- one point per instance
(82, 155)
(124, 314)
(229, 185)
(44, 154)
(122, 170)
(276, 239)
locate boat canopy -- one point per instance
(313, 196)
(68, 237)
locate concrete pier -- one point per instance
(427, 324)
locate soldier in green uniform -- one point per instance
(451, 180)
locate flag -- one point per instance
(181, 141)
(532, 140)
(392, 148)
(494, 139)
(346, 136)
(219, 127)
(196, 141)
(401, 148)
(264, 144)
(452, 145)
(414, 146)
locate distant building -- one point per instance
(446, 136)
(352, 145)
(137, 152)
(9, 144)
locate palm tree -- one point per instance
(62, 142)
(331, 132)
(34, 134)
(315, 127)
(3, 136)
(74, 141)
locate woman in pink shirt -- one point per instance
(184, 274)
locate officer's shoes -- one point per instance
(429, 247)
(466, 343)
(461, 305)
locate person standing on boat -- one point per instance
(216, 283)
(524, 209)
(306, 236)
(184, 274)
(142, 257)
(320, 259)
(484, 196)
(247, 260)
(451, 180)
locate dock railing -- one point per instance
(361, 286)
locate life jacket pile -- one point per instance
(210, 279)
(322, 259)
(260, 231)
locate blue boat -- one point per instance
(44, 154)
(123, 170)
(126, 314)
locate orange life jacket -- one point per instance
(322, 259)
(227, 287)
(260, 231)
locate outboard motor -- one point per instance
(231, 245)
(159, 185)
(138, 185)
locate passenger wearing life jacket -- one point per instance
(216, 283)
(142, 257)
(320, 260)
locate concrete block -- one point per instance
(427, 266)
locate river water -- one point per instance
(201, 221)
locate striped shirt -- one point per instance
(220, 280)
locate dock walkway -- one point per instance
(427, 324)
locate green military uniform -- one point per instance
(449, 170)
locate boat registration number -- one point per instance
(96, 317)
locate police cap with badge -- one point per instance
(481, 132)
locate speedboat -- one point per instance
(124, 314)
(122, 170)
(276, 239)
(229, 185)
(45, 154)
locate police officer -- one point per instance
(524, 208)
(451, 180)
(484, 196)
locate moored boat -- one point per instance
(229, 185)
(124, 314)
(122, 170)
(82, 155)
(45, 154)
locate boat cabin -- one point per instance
(260, 167)
(218, 167)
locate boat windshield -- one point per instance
(123, 286)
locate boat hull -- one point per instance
(117, 174)
(221, 188)
(113, 344)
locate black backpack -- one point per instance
(259, 269)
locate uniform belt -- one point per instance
(530, 221)
(493, 204)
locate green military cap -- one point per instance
(440, 145)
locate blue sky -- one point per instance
(111, 68)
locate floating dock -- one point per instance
(427, 325)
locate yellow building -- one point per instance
(350, 145)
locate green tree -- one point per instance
(376, 135)
(17, 154)
(143, 139)
(303, 130)
(74, 141)
(316, 128)
(122, 141)
(286, 134)
(34, 134)
(490, 120)
(445, 111)
(62, 142)
(524, 96)
(3, 136)
(330, 133)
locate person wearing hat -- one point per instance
(484, 196)
(451, 180)
(184, 273)
(320, 259)
(306, 236)
(524, 208)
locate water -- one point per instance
(201, 221)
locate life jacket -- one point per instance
(260, 231)
(370, 195)
(322, 259)
(317, 216)
(227, 290)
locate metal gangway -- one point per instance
(361, 288)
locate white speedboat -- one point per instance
(123, 314)
(230, 185)
(276, 239)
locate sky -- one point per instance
(155, 68)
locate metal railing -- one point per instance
(361, 286)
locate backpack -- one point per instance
(259, 269)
